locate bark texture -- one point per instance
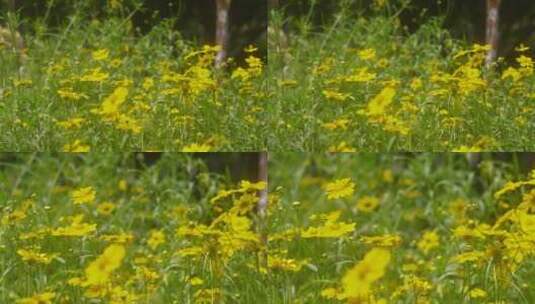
(222, 30)
(492, 32)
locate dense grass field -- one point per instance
(342, 228)
(363, 82)
(99, 85)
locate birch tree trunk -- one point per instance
(492, 32)
(222, 30)
(263, 176)
(262, 206)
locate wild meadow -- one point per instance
(109, 228)
(363, 82)
(344, 228)
(100, 84)
(394, 228)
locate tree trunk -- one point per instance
(11, 5)
(222, 30)
(262, 206)
(263, 176)
(277, 38)
(273, 4)
(492, 33)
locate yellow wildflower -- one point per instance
(98, 272)
(95, 75)
(197, 148)
(367, 54)
(196, 281)
(357, 281)
(339, 188)
(341, 123)
(105, 208)
(367, 203)
(42, 298)
(29, 255)
(101, 54)
(335, 96)
(429, 240)
(69, 93)
(83, 195)
(72, 123)
(76, 228)
(157, 237)
(110, 105)
(477, 293)
(76, 147)
(386, 240)
(377, 106)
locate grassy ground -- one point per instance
(95, 85)
(363, 83)
(408, 229)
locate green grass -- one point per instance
(444, 99)
(175, 97)
(178, 197)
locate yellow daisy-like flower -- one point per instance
(357, 281)
(100, 55)
(378, 105)
(29, 255)
(98, 272)
(76, 147)
(196, 281)
(477, 293)
(367, 203)
(42, 298)
(367, 54)
(106, 208)
(339, 188)
(83, 195)
(429, 240)
(197, 148)
(157, 237)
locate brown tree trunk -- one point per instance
(273, 4)
(222, 30)
(11, 5)
(492, 33)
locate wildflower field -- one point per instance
(363, 82)
(421, 228)
(344, 228)
(101, 85)
(100, 228)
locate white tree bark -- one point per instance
(263, 176)
(492, 32)
(222, 30)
